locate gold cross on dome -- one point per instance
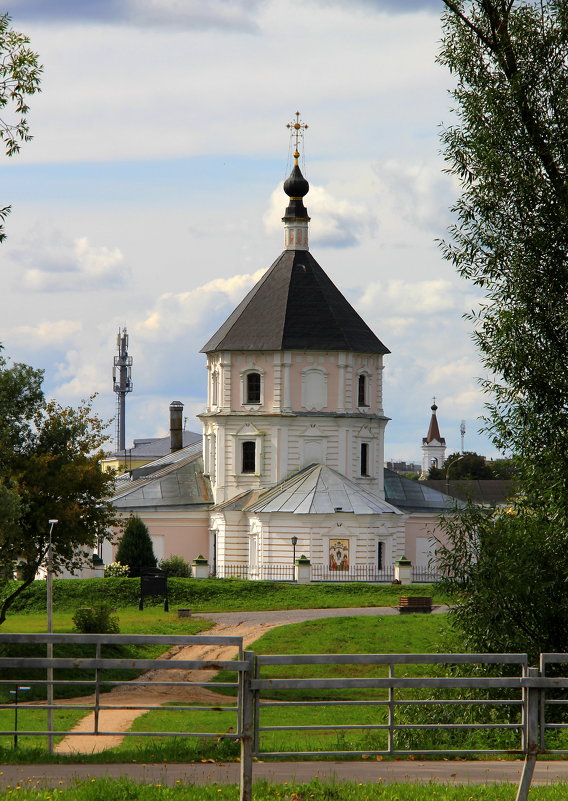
(297, 128)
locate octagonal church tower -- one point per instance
(294, 376)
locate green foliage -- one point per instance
(20, 74)
(49, 470)
(96, 620)
(509, 152)
(135, 547)
(508, 571)
(175, 566)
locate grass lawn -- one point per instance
(124, 790)
(221, 595)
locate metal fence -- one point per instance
(285, 572)
(529, 694)
(264, 572)
(425, 575)
(354, 573)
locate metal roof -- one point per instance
(153, 447)
(295, 306)
(414, 496)
(320, 490)
(179, 483)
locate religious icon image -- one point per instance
(339, 555)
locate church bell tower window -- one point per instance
(362, 391)
(248, 457)
(252, 388)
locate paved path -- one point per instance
(228, 772)
(281, 617)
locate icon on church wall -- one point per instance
(339, 555)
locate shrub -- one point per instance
(116, 570)
(135, 547)
(175, 566)
(96, 620)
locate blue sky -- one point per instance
(151, 194)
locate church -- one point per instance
(292, 456)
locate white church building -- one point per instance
(292, 458)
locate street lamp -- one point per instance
(294, 543)
(50, 644)
(15, 694)
(451, 464)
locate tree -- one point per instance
(49, 470)
(467, 465)
(510, 154)
(507, 571)
(509, 151)
(135, 547)
(20, 74)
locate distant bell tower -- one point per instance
(122, 384)
(433, 445)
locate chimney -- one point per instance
(176, 426)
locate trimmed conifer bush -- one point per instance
(135, 547)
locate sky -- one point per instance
(151, 195)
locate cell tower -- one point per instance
(122, 384)
(462, 433)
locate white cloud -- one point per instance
(409, 297)
(47, 333)
(420, 192)
(55, 263)
(174, 313)
(335, 223)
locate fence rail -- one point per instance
(530, 698)
(354, 573)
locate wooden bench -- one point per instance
(414, 603)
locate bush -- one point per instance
(135, 547)
(96, 620)
(175, 567)
(116, 570)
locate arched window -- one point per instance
(362, 391)
(252, 388)
(248, 457)
(215, 389)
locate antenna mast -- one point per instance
(462, 432)
(122, 384)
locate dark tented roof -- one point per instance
(295, 306)
(490, 492)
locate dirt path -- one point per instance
(120, 719)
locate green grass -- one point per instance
(220, 595)
(126, 790)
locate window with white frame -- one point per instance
(215, 389)
(248, 456)
(364, 459)
(363, 390)
(252, 387)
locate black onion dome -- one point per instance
(295, 184)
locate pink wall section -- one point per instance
(186, 535)
(417, 526)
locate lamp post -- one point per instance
(294, 543)
(451, 464)
(15, 694)
(50, 644)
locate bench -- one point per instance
(414, 603)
